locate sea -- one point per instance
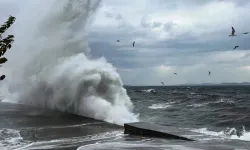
(57, 96)
(218, 114)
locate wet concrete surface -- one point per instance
(155, 130)
(37, 124)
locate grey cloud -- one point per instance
(8, 8)
(146, 24)
(113, 16)
(135, 58)
(119, 17)
(193, 3)
(124, 58)
(190, 53)
(237, 2)
(156, 24)
(108, 15)
(169, 26)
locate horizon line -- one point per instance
(195, 84)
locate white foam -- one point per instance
(148, 90)
(160, 106)
(230, 133)
(57, 71)
(134, 145)
(69, 142)
(225, 100)
(221, 100)
(197, 105)
(61, 126)
(208, 132)
(244, 137)
(10, 139)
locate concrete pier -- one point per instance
(154, 130)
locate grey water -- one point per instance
(218, 112)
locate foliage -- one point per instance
(5, 43)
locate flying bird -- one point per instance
(233, 31)
(2, 77)
(118, 40)
(209, 73)
(134, 44)
(175, 73)
(162, 83)
(236, 47)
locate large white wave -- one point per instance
(51, 66)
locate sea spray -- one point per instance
(58, 73)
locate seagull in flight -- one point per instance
(175, 73)
(2, 77)
(134, 44)
(162, 83)
(233, 32)
(209, 73)
(236, 47)
(118, 40)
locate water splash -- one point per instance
(58, 72)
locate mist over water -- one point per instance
(56, 70)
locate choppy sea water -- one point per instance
(219, 112)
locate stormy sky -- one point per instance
(189, 37)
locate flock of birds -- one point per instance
(233, 34)
(209, 73)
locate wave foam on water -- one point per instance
(229, 133)
(160, 106)
(69, 142)
(219, 101)
(10, 139)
